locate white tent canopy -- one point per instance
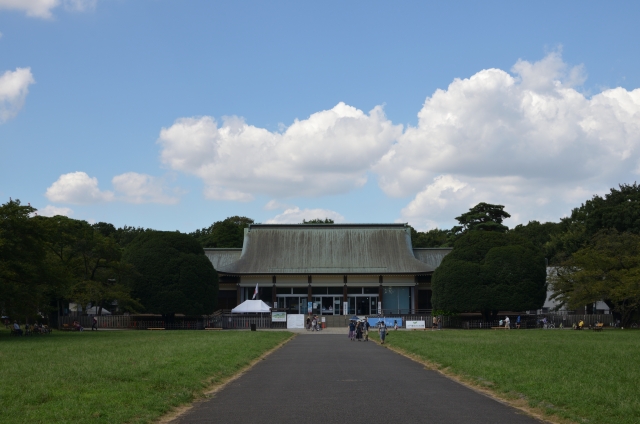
(251, 306)
(95, 310)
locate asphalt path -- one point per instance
(325, 378)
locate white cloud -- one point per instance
(131, 187)
(80, 5)
(51, 210)
(44, 8)
(527, 138)
(330, 152)
(274, 204)
(142, 188)
(33, 8)
(77, 188)
(14, 87)
(296, 215)
(526, 141)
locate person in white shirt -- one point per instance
(507, 322)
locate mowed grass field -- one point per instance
(117, 376)
(583, 376)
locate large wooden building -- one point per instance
(336, 268)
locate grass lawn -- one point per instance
(117, 376)
(582, 376)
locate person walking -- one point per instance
(434, 324)
(507, 323)
(439, 322)
(94, 325)
(359, 331)
(382, 330)
(518, 322)
(314, 323)
(352, 330)
(365, 327)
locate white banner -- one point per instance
(278, 317)
(295, 321)
(412, 325)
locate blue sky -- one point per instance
(173, 115)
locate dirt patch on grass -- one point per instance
(210, 391)
(483, 387)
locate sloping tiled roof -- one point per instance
(327, 249)
(431, 256)
(221, 257)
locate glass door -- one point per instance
(363, 305)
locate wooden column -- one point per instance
(380, 291)
(274, 298)
(345, 296)
(239, 296)
(309, 298)
(414, 298)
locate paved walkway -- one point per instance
(326, 378)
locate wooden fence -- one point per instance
(104, 321)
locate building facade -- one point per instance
(335, 269)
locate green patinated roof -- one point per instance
(322, 249)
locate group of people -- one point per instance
(36, 328)
(313, 324)
(94, 325)
(359, 330)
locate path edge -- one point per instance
(536, 413)
(179, 411)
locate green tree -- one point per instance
(537, 233)
(432, 238)
(318, 221)
(607, 269)
(173, 274)
(22, 261)
(228, 233)
(84, 264)
(619, 209)
(482, 217)
(489, 271)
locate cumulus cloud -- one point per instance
(141, 188)
(80, 5)
(274, 204)
(77, 188)
(130, 187)
(14, 87)
(330, 152)
(43, 9)
(51, 210)
(527, 140)
(296, 216)
(33, 8)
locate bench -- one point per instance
(155, 328)
(499, 328)
(598, 327)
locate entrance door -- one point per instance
(327, 305)
(363, 305)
